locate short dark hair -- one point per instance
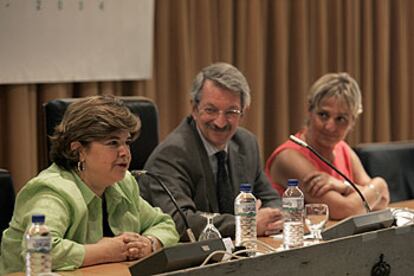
(87, 120)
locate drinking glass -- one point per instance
(210, 231)
(316, 215)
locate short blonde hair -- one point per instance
(340, 85)
(87, 120)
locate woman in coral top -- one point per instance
(334, 103)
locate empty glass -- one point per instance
(316, 215)
(210, 231)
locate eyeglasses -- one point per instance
(229, 114)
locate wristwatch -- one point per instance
(153, 243)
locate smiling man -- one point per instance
(188, 161)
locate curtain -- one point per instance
(282, 46)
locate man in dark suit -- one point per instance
(187, 160)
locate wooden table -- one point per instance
(121, 269)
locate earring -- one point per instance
(81, 166)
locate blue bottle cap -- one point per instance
(38, 218)
(293, 182)
(245, 187)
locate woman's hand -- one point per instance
(317, 183)
(106, 250)
(126, 247)
(376, 193)
(138, 246)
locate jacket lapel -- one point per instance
(209, 182)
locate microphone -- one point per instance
(183, 255)
(302, 143)
(354, 224)
(188, 230)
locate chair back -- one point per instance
(6, 200)
(392, 161)
(141, 148)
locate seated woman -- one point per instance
(90, 200)
(334, 103)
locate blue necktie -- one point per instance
(224, 187)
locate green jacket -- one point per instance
(74, 217)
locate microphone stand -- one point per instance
(326, 161)
(188, 230)
(183, 255)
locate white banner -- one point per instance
(75, 40)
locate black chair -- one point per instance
(6, 200)
(392, 161)
(141, 148)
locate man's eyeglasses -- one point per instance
(229, 114)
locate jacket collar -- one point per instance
(235, 163)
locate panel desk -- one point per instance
(355, 255)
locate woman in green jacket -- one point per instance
(90, 200)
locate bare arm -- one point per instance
(321, 187)
(374, 189)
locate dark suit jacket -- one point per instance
(183, 165)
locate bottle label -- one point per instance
(39, 244)
(292, 203)
(246, 210)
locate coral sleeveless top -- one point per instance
(342, 161)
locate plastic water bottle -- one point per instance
(245, 212)
(293, 212)
(38, 247)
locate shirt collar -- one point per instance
(117, 194)
(87, 193)
(114, 192)
(211, 150)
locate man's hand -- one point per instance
(268, 220)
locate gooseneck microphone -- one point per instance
(182, 255)
(323, 159)
(188, 230)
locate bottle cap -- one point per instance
(293, 182)
(245, 187)
(38, 218)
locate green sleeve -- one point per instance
(66, 254)
(156, 223)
